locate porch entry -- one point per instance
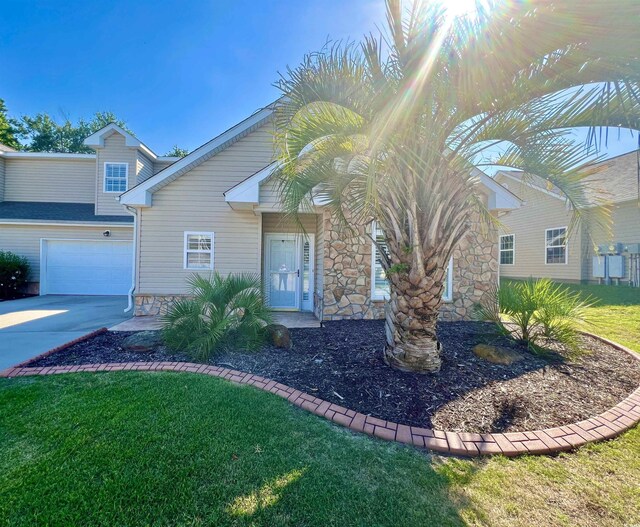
(288, 271)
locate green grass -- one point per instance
(180, 449)
(617, 313)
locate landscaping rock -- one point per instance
(279, 335)
(142, 341)
(496, 354)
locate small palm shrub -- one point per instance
(218, 310)
(534, 310)
(14, 271)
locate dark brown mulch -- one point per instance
(342, 363)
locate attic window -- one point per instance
(115, 177)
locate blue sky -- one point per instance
(178, 72)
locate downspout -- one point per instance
(133, 211)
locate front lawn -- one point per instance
(180, 449)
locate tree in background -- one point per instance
(176, 151)
(7, 131)
(42, 133)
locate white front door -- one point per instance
(288, 271)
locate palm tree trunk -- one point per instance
(411, 317)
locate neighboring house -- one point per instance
(215, 209)
(534, 242)
(61, 212)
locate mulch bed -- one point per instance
(342, 363)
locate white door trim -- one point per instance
(300, 305)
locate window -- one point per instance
(507, 249)
(198, 250)
(115, 177)
(447, 294)
(379, 283)
(556, 246)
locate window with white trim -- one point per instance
(198, 250)
(556, 245)
(115, 177)
(507, 249)
(379, 282)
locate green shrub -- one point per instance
(219, 310)
(535, 310)
(14, 271)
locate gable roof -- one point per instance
(96, 140)
(141, 194)
(246, 194)
(615, 180)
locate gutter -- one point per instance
(133, 265)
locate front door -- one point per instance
(289, 271)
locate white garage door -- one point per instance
(86, 267)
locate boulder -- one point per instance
(279, 336)
(496, 354)
(142, 341)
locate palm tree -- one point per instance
(389, 129)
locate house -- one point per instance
(537, 240)
(218, 208)
(61, 212)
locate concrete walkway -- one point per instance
(31, 326)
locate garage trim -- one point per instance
(43, 255)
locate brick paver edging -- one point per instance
(607, 425)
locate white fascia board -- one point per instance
(248, 191)
(45, 155)
(97, 139)
(500, 198)
(141, 194)
(532, 185)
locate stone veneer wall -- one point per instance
(475, 272)
(151, 305)
(347, 273)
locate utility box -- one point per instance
(599, 266)
(616, 266)
(632, 248)
(610, 248)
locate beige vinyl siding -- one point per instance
(275, 222)
(25, 239)
(161, 165)
(1, 178)
(144, 168)
(56, 180)
(114, 151)
(528, 224)
(195, 202)
(269, 196)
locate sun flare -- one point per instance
(460, 7)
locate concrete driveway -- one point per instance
(31, 326)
